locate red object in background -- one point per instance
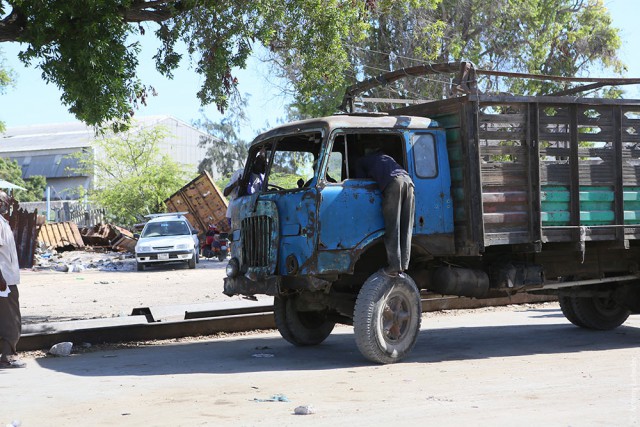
(216, 244)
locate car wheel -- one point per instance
(192, 261)
(140, 266)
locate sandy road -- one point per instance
(508, 366)
(523, 365)
(94, 293)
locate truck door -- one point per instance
(428, 166)
(350, 210)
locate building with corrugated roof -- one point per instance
(45, 150)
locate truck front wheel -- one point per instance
(301, 328)
(387, 318)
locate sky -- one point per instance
(32, 101)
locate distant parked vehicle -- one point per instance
(167, 238)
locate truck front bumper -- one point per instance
(242, 285)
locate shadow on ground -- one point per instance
(269, 352)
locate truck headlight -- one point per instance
(233, 268)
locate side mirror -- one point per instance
(136, 235)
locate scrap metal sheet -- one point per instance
(60, 235)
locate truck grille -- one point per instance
(256, 240)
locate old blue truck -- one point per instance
(513, 194)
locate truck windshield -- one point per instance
(293, 165)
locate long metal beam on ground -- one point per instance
(143, 327)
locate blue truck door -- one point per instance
(428, 166)
(349, 214)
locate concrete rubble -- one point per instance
(62, 349)
(48, 258)
(66, 248)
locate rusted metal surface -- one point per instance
(61, 235)
(25, 229)
(465, 82)
(146, 331)
(108, 236)
(124, 240)
(203, 201)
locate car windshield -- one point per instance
(165, 228)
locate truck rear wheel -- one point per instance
(387, 318)
(301, 328)
(566, 305)
(599, 313)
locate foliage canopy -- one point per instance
(557, 37)
(88, 48)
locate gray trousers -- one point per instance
(10, 322)
(398, 206)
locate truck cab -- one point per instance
(320, 228)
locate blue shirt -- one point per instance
(255, 183)
(379, 167)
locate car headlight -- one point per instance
(182, 246)
(233, 267)
(143, 249)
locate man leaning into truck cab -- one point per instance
(256, 178)
(396, 187)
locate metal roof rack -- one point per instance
(166, 214)
(465, 81)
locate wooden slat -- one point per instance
(501, 135)
(501, 118)
(494, 150)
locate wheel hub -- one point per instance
(395, 318)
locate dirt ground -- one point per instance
(509, 365)
(98, 285)
(517, 365)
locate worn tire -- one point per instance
(567, 307)
(300, 328)
(140, 267)
(387, 318)
(221, 257)
(192, 262)
(601, 314)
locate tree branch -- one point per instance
(155, 10)
(13, 26)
